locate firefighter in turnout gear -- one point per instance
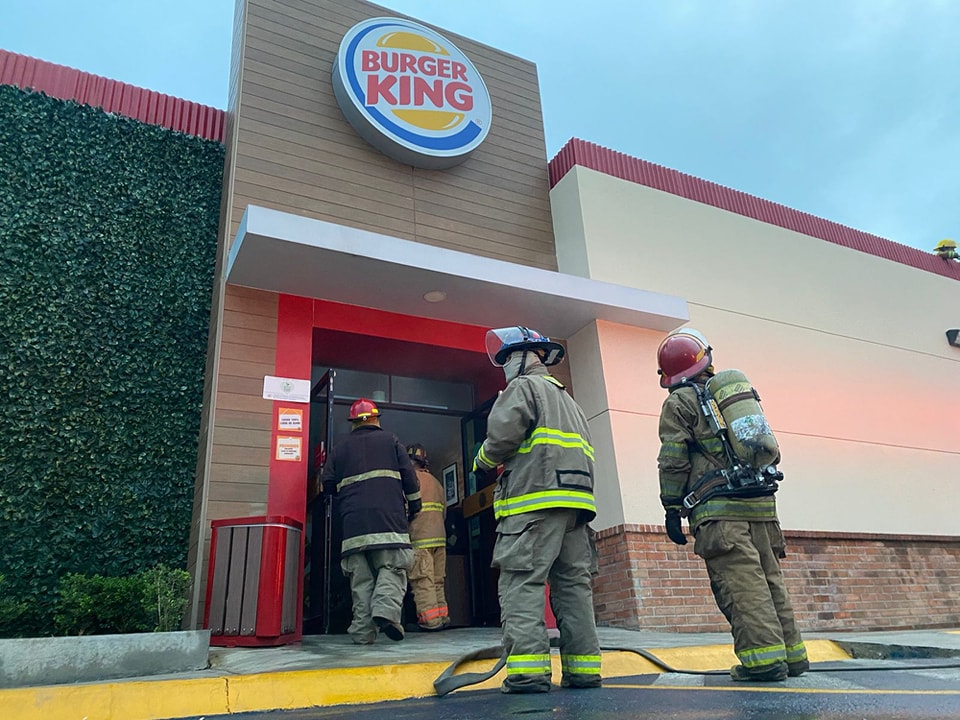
(734, 521)
(376, 486)
(429, 538)
(542, 503)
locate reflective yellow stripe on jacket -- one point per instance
(367, 476)
(431, 542)
(543, 500)
(552, 436)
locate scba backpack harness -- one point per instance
(732, 407)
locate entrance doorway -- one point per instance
(426, 395)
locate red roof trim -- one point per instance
(642, 172)
(113, 96)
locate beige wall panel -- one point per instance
(298, 201)
(244, 420)
(240, 385)
(252, 353)
(850, 373)
(857, 487)
(607, 489)
(241, 368)
(234, 455)
(239, 474)
(302, 157)
(482, 184)
(328, 189)
(242, 437)
(636, 444)
(585, 364)
(221, 510)
(494, 219)
(436, 231)
(247, 321)
(235, 492)
(248, 403)
(249, 300)
(241, 336)
(755, 269)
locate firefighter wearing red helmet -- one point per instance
(377, 490)
(736, 530)
(542, 503)
(429, 538)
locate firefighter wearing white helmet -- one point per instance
(730, 504)
(542, 503)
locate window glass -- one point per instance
(351, 384)
(431, 394)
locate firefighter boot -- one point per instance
(774, 672)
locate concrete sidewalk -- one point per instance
(330, 670)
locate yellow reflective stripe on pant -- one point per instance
(430, 543)
(796, 653)
(544, 500)
(367, 476)
(553, 436)
(528, 664)
(756, 657)
(580, 664)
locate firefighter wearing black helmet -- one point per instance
(371, 474)
(737, 532)
(542, 502)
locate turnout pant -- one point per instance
(426, 579)
(743, 562)
(533, 549)
(378, 582)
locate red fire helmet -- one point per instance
(682, 355)
(362, 409)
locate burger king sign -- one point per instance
(411, 93)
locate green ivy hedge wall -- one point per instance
(108, 231)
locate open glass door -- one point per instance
(325, 590)
(481, 525)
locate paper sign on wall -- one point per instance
(288, 448)
(286, 389)
(290, 419)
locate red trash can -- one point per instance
(253, 581)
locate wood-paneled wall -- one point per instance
(289, 148)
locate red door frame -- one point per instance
(297, 317)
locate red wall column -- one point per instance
(287, 492)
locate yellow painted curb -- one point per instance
(152, 700)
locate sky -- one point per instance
(846, 109)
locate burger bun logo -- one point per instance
(411, 93)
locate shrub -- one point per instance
(166, 594)
(153, 600)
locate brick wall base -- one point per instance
(836, 581)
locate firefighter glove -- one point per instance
(674, 531)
